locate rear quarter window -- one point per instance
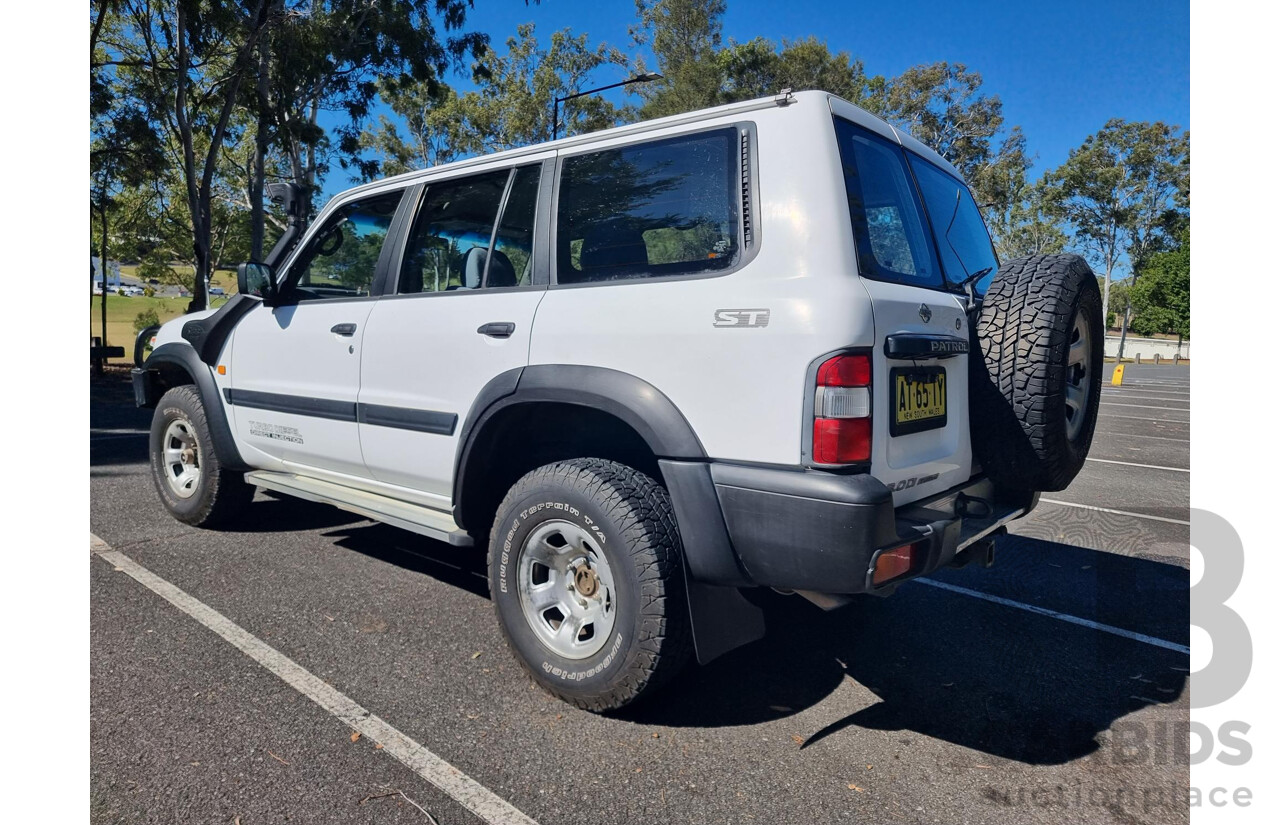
(653, 209)
(889, 227)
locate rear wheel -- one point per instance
(193, 485)
(586, 579)
(1036, 372)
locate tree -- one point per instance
(1161, 297)
(336, 55)
(512, 106)
(124, 150)
(1117, 191)
(944, 107)
(684, 36)
(758, 68)
(430, 131)
(1029, 222)
(184, 63)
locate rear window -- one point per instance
(963, 241)
(666, 207)
(889, 227)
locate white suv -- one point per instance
(763, 345)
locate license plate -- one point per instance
(919, 399)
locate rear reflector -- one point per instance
(841, 440)
(894, 563)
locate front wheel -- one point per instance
(193, 485)
(586, 579)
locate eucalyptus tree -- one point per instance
(184, 64)
(685, 37)
(336, 56)
(1120, 191)
(511, 106)
(758, 68)
(945, 106)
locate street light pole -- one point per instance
(555, 109)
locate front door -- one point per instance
(294, 374)
(462, 313)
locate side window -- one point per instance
(888, 223)
(666, 207)
(512, 260)
(340, 260)
(449, 242)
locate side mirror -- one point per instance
(256, 279)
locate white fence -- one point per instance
(1146, 347)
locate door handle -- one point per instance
(497, 329)
(343, 329)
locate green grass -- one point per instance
(225, 278)
(121, 313)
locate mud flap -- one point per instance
(721, 618)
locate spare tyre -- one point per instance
(1035, 372)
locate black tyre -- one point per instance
(586, 578)
(191, 482)
(1036, 372)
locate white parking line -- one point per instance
(1144, 406)
(1146, 388)
(1114, 512)
(1065, 617)
(1132, 397)
(1143, 466)
(1136, 435)
(1148, 418)
(466, 791)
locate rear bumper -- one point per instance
(817, 531)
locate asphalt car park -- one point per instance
(1052, 687)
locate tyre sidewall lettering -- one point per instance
(534, 509)
(166, 416)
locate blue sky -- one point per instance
(1062, 69)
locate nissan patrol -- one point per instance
(762, 345)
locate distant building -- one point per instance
(113, 272)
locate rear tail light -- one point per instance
(842, 411)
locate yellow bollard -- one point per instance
(1118, 375)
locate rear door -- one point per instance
(461, 313)
(920, 417)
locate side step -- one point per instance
(413, 517)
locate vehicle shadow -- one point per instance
(462, 567)
(118, 430)
(944, 664)
(948, 665)
(272, 513)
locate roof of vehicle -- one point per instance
(807, 98)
